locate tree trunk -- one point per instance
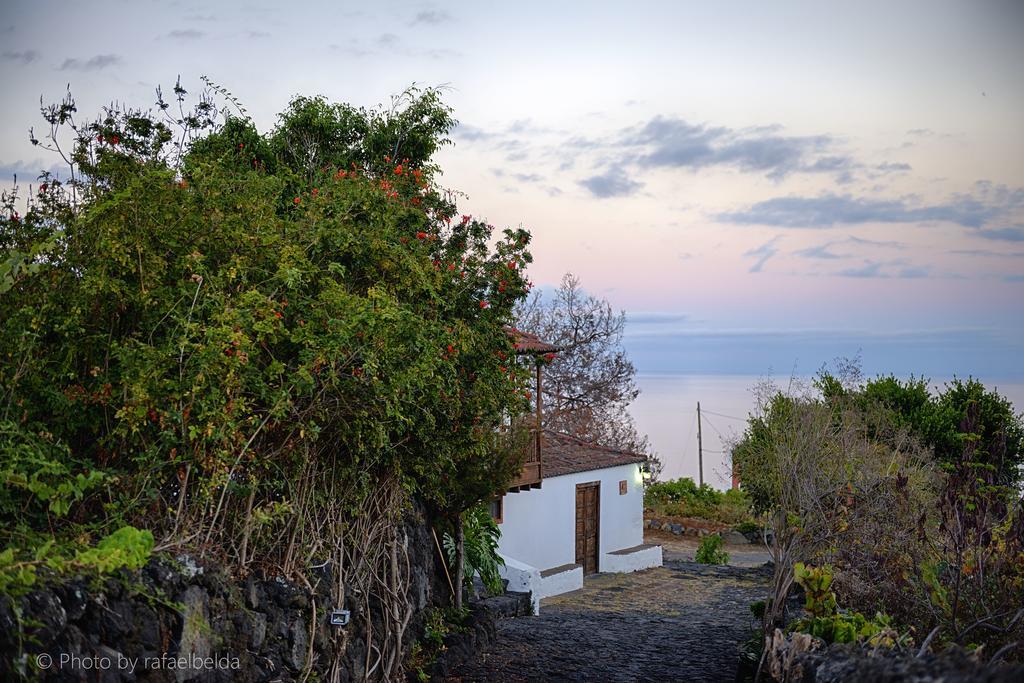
(460, 560)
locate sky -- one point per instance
(760, 186)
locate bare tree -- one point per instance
(590, 383)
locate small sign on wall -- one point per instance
(622, 487)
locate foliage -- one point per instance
(710, 551)
(480, 542)
(242, 341)
(997, 432)
(683, 498)
(590, 383)
(439, 623)
(827, 622)
(852, 477)
(126, 548)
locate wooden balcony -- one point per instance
(533, 465)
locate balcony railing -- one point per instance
(532, 472)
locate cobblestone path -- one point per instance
(680, 622)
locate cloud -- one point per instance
(820, 252)
(92, 64)
(869, 269)
(521, 177)
(830, 210)
(898, 268)
(27, 170)
(21, 57)
(1014, 234)
(762, 254)
(615, 182)
(987, 253)
(675, 143)
(891, 244)
(893, 167)
(430, 17)
(186, 34)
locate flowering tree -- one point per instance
(249, 342)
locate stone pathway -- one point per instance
(680, 622)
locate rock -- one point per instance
(195, 630)
(300, 644)
(702, 532)
(735, 538)
(677, 529)
(258, 631)
(656, 524)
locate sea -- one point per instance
(666, 411)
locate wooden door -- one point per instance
(588, 533)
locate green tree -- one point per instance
(236, 334)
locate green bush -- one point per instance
(480, 544)
(833, 625)
(710, 551)
(220, 334)
(683, 498)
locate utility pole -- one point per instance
(700, 447)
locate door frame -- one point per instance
(596, 485)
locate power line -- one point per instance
(731, 417)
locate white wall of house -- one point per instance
(539, 527)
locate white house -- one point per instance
(577, 508)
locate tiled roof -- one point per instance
(564, 454)
(529, 343)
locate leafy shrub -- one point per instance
(683, 498)
(832, 625)
(220, 334)
(480, 541)
(710, 551)
(127, 548)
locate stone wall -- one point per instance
(176, 620)
(843, 663)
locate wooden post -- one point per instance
(540, 428)
(700, 447)
(460, 559)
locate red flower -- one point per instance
(399, 170)
(315, 192)
(484, 304)
(549, 356)
(278, 314)
(512, 265)
(451, 349)
(297, 200)
(42, 188)
(99, 138)
(114, 139)
(421, 235)
(241, 145)
(465, 219)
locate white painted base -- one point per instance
(632, 562)
(522, 578)
(562, 582)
